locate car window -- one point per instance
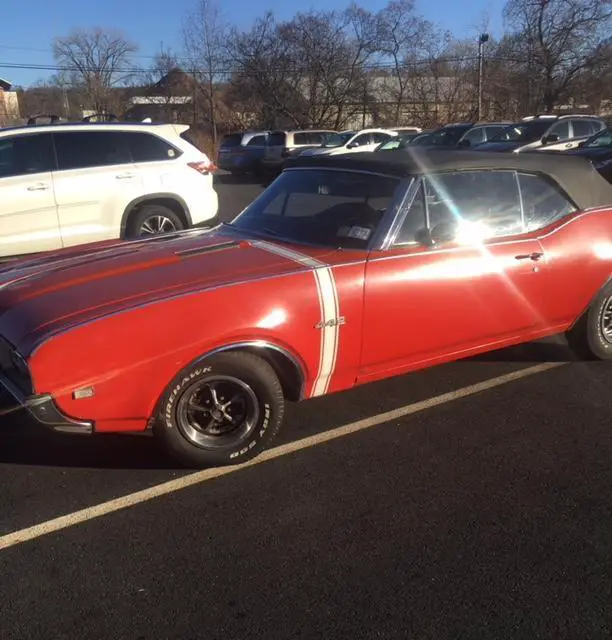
(80, 149)
(493, 132)
(582, 128)
(316, 137)
(561, 129)
(475, 136)
(277, 139)
(543, 202)
(415, 220)
(257, 141)
(25, 155)
(146, 147)
(379, 137)
(326, 207)
(393, 143)
(481, 204)
(363, 139)
(301, 138)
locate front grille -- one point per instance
(8, 368)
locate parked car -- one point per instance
(480, 133)
(598, 149)
(544, 132)
(445, 137)
(242, 152)
(359, 141)
(67, 184)
(286, 144)
(401, 141)
(344, 271)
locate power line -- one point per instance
(245, 68)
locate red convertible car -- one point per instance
(343, 271)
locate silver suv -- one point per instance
(285, 144)
(545, 132)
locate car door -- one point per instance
(477, 285)
(94, 181)
(28, 213)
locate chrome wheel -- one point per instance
(605, 320)
(217, 411)
(156, 224)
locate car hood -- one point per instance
(48, 293)
(502, 145)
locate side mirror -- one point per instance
(353, 145)
(551, 137)
(463, 144)
(441, 233)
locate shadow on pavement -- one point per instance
(26, 443)
(554, 349)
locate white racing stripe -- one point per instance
(199, 477)
(329, 306)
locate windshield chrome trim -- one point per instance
(395, 215)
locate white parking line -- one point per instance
(131, 499)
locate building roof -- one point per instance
(575, 175)
(5, 84)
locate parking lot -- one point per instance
(471, 500)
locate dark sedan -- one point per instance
(598, 149)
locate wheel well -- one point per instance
(288, 371)
(171, 203)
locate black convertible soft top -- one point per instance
(575, 175)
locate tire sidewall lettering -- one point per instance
(168, 412)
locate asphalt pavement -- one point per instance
(467, 501)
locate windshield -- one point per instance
(337, 139)
(447, 135)
(602, 139)
(331, 208)
(523, 131)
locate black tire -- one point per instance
(588, 338)
(152, 212)
(185, 433)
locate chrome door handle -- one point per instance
(124, 176)
(535, 256)
(41, 186)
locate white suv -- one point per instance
(68, 184)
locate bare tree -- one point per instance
(96, 60)
(557, 40)
(204, 35)
(402, 33)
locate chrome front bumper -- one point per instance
(44, 410)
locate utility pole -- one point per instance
(484, 37)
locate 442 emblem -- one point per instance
(332, 322)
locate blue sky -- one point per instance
(30, 26)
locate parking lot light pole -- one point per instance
(484, 37)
